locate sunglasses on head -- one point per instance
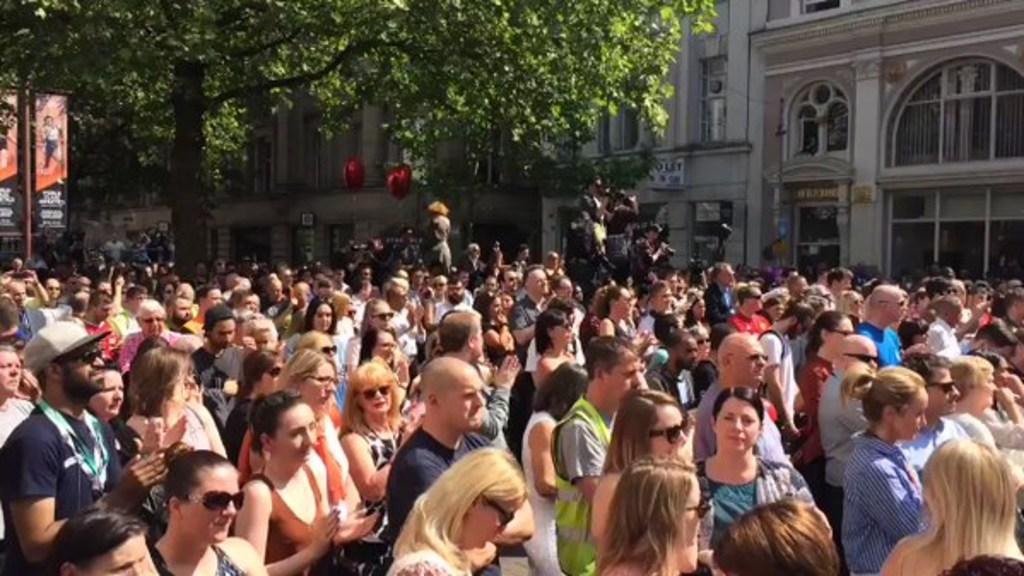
(218, 501)
(504, 516)
(866, 358)
(673, 434)
(372, 393)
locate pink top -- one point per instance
(131, 347)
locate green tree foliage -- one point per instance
(178, 82)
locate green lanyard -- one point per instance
(93, 461)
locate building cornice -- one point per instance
(871, 21)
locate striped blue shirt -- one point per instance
(882, 503)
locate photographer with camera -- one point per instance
(649, 254)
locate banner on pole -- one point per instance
(11, 208)
(51, 163)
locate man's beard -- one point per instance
(454, 299)
(79, 388)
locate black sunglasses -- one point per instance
(947, 387)
(371, 393)
(274, 371)
(866, 358)
(332, 350)
(504, 516)
(673, 434)
(384, 315)
(217, 501)
(87, 357)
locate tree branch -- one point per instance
(259, 48)
(350, 51)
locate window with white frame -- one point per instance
(713, 99)
(822, 122)
(964, 111)
(812, 6)
(618, 133)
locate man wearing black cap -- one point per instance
(217, 384)
(61, 459)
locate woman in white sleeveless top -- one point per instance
(552, 401)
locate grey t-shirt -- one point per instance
(581, 452)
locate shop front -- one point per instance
(976, 231)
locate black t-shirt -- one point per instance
(236, 426)
(212, 379)
(417, 465)
(36, 463)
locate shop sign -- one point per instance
(668, 173)
(814, 194)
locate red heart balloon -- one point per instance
(355, 173)
(400, 181)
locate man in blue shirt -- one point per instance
(942, 398)
(885, 307)
(61, 459)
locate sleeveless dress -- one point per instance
(370, 556)
(423, 563)
(225, 566)
(287, 534)
(542, 548)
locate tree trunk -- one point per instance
(188, 218)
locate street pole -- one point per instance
(26, 173)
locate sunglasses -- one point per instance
(331, 350)
(673, 434)
(946, 387)
(87, 357)
(504, 516)
(702, 341)
(866, 358)
(275, 371)
(219, 501)
(842, 332)
(372, 393)
(384, 316)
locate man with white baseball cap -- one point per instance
(61, 459)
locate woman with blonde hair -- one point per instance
(971, 496)
(882, 497)
(371, 433)
(657, 507)
(648, 423)
(467, 509)
(165, 403)
(975, 379)
(784, 538)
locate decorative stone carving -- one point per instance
(895, 71)
(867, 69)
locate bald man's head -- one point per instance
(885, 306)
(856, 350)
(451, 389)
(741, 361)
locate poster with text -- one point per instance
(51, 162)
(10, 196)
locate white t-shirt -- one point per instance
(779, 352)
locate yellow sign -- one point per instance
(863, 194)
(806, 194)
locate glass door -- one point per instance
(818, 244)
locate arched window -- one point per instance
(822, 121)
(964, 111)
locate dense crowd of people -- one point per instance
(417, 420)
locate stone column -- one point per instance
(370, 144)
(867, 225)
